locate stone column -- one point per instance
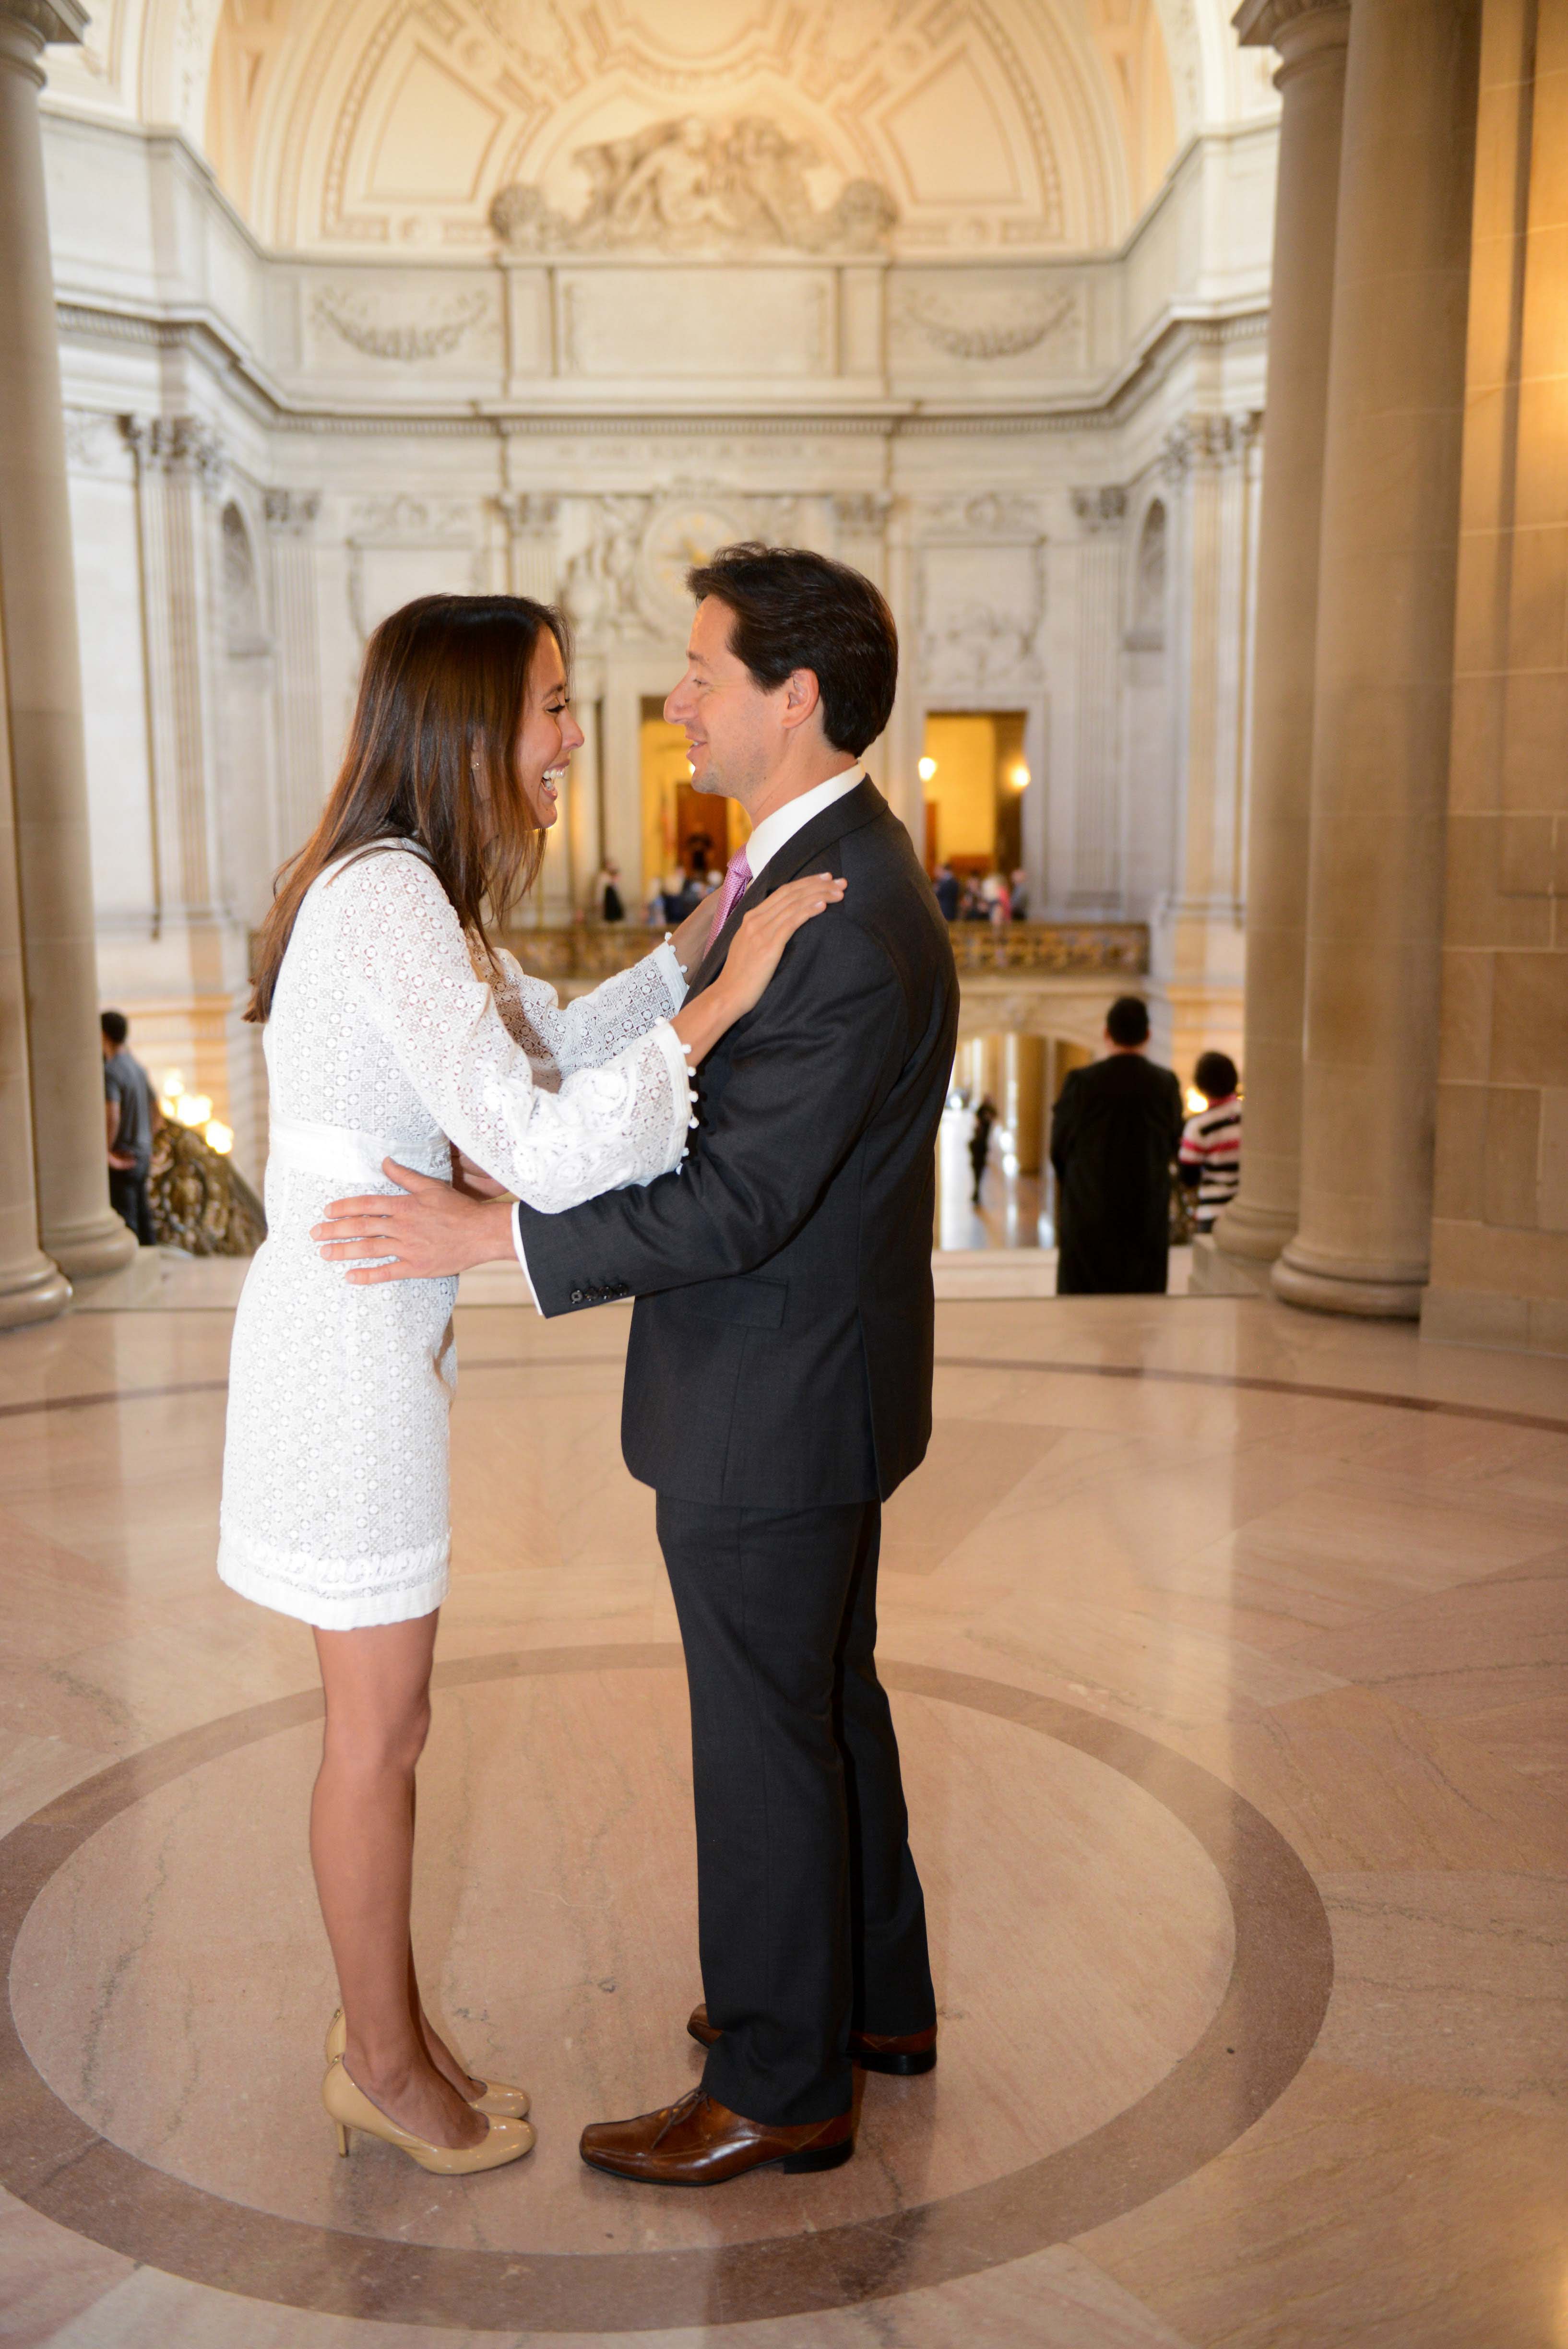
(1097, 878)
(291, 517)
(32, 1289)
(1310, 36)
(1210, 468)
(1384, 659)
(37, 608)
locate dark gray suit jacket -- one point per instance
(782, 1340)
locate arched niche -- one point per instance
(246, 767)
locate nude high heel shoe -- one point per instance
(348, 2107)
(504, 2103)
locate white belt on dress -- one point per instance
(341, 1153)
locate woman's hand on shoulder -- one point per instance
(765, 933)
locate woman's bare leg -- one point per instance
(376, 1683)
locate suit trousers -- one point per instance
(811, 1920)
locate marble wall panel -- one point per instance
(688, 325)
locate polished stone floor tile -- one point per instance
(1447, 2219)
(1454, 1982)
(1490, 1657)
(1320, 1565)
(1357, 1781)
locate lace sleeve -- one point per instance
(589, 1030)
(402, 945)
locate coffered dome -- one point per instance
(1000, 126)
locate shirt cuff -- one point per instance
(517, 1244)
(671, 972)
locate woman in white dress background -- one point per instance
(396, 1029)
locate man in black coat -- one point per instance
(778, 1380)
(1115, 1130)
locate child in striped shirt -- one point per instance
(1210, 1155)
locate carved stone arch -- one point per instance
(176, 61)
(1150, 581)
(240, 588)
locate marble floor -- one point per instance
(1229, 1648)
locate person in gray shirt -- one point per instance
(131, 1121)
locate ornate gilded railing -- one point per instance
(594, 950)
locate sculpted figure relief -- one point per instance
(686, 185)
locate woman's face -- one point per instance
(548, 734)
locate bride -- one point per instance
(393, 1022)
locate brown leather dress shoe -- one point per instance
(905, 2054)
(699, 2142)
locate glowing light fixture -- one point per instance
(193, 1109)
(219, 1136)
(1195, 1100)
(1018, 776)
(928, 769)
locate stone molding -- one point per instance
(291, 514)
(1100, 509)
(174, 444)
(1209, 439)
(48, 21)
(691, 186)
(404, 340)
(1276, 23)
(998, 340)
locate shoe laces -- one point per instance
(679, 2111)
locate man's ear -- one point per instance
(802, 697)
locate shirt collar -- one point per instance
(777, 831)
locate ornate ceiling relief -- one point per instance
(692, 186)
(589, 126)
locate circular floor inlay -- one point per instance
(1133, 1965)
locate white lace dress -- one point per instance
(382, 1042)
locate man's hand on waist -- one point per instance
(426, 1228)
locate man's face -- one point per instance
(731, 727)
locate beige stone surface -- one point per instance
(1345, 1609)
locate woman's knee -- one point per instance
(376, 1738)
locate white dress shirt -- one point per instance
(774, 833)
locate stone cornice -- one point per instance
(272, 404)
(1285, 25)
(47, 20)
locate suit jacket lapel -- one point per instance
(855, 809)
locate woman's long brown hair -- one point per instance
(432, 758)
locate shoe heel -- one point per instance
(900, 2066)
(342, 2139)
(820, 2156)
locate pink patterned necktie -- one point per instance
(737, 881)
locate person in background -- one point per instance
(1115, 1130)
(980, 1141)
(944, 881)
(1019, 888)
(608, 903)
(1210, 1155)
(131, 1119)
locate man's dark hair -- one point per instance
(115, 1028)
(1126, 1021)
(794, 609)
(1215, 1075)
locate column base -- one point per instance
(1328, 1284)
(1258, 1233)
(36, 1294)
(84, 1251)
(1217, 1273)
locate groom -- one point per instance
(778, 1380)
